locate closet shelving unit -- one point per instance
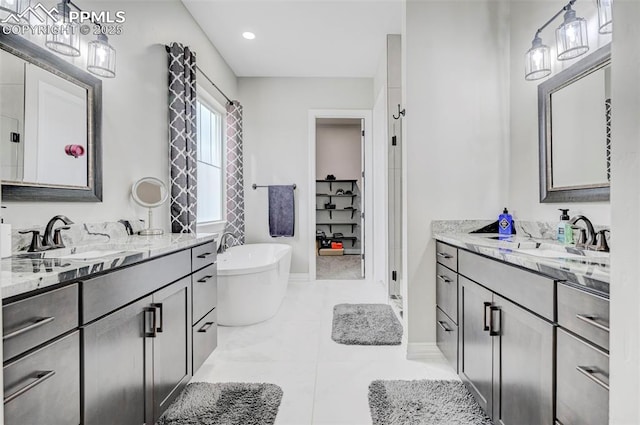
(341, 214)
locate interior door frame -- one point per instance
(367, 115)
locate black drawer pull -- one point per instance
(444, 255)
(39, 379)
(493, 332)
(205, 255)
(154, 322)
(444, 278)
(36, 324)
(485, 325)
(204, 279)
(161, 314)
(206, 327)
(444, 328)
(591, 319)
(590, 372)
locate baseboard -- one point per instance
(423, 351)
(298, 277)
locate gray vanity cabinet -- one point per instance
(447, 302)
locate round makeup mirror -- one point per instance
(150, 192)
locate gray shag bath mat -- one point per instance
(424, 403)
(203, 403)
(366, 324)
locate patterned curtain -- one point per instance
(235, 179)
(183, 142)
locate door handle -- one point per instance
(161, 314)
(486, 326)
(591, 319)
(35, 324)
(205, 327)
(204, 279)
(493, 332)
(40, 378)
(590, 372)
(444, 255)
(152, 333)
(444, 328)
(444, 278)
(205, 255)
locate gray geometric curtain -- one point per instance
(182, 133)
(235, 177)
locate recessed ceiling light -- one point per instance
(248, 35)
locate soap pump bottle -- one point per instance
(505, 223)
(564, 231)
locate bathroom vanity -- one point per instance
(526, 331)
(107, 339)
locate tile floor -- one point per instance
(340, 267)
(323, 382)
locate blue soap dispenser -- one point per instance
(564, 232)
(505, 223)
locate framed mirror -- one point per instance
(50, 126)
(574, 119)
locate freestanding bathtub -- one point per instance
(252, 282)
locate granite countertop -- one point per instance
(587, 270)
(27, 272)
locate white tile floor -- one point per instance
(323, 382)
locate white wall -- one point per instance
(339, 152)
(456, 132)
(276, 145)
(135, 114)
(524, 196)
(625, 210)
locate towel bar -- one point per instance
(255, 186)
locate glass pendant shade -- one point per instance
(571, 36)
(537, 61)
(64, 35)
(102, 58)
(605, 16)
(13, 8)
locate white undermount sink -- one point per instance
(551, 253)
(90, 255)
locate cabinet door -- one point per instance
(523, 366)
(171, 347)
(117, 374)
(476, 344)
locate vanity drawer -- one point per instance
(584, 314)
(205, 291)
(447, 338)
(447, 291)
(583, 382)
(203, 255)
(44, 387)
(33, 321)
(447, 255)
(205, 339)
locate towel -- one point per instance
(281, 211)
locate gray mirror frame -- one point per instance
(596, 60)
(28, 192)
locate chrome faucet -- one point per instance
(224, 241)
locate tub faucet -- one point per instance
(224, 241)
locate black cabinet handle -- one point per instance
(590, 372)
(161, 314)
(205, 255)
(492, 331)
(444, 278)
(486, 326)
(444, 328)
(36, 323)
(591, 319)
(40, 377)
(154, 319)
(204, 279)
(444, 255)
(205, 327)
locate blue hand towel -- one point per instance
(281, 211)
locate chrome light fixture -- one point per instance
(64, 35)
(605, 16)
(102, 57)
(571, 37)
(537, 60)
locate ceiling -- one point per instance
(299, 38)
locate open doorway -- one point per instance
(339, 193)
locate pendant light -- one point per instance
(605, 16)
(102, 57)
(537, 61)
(12, 7)
(64, 35)
(571, 37)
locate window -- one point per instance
(211, 193)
